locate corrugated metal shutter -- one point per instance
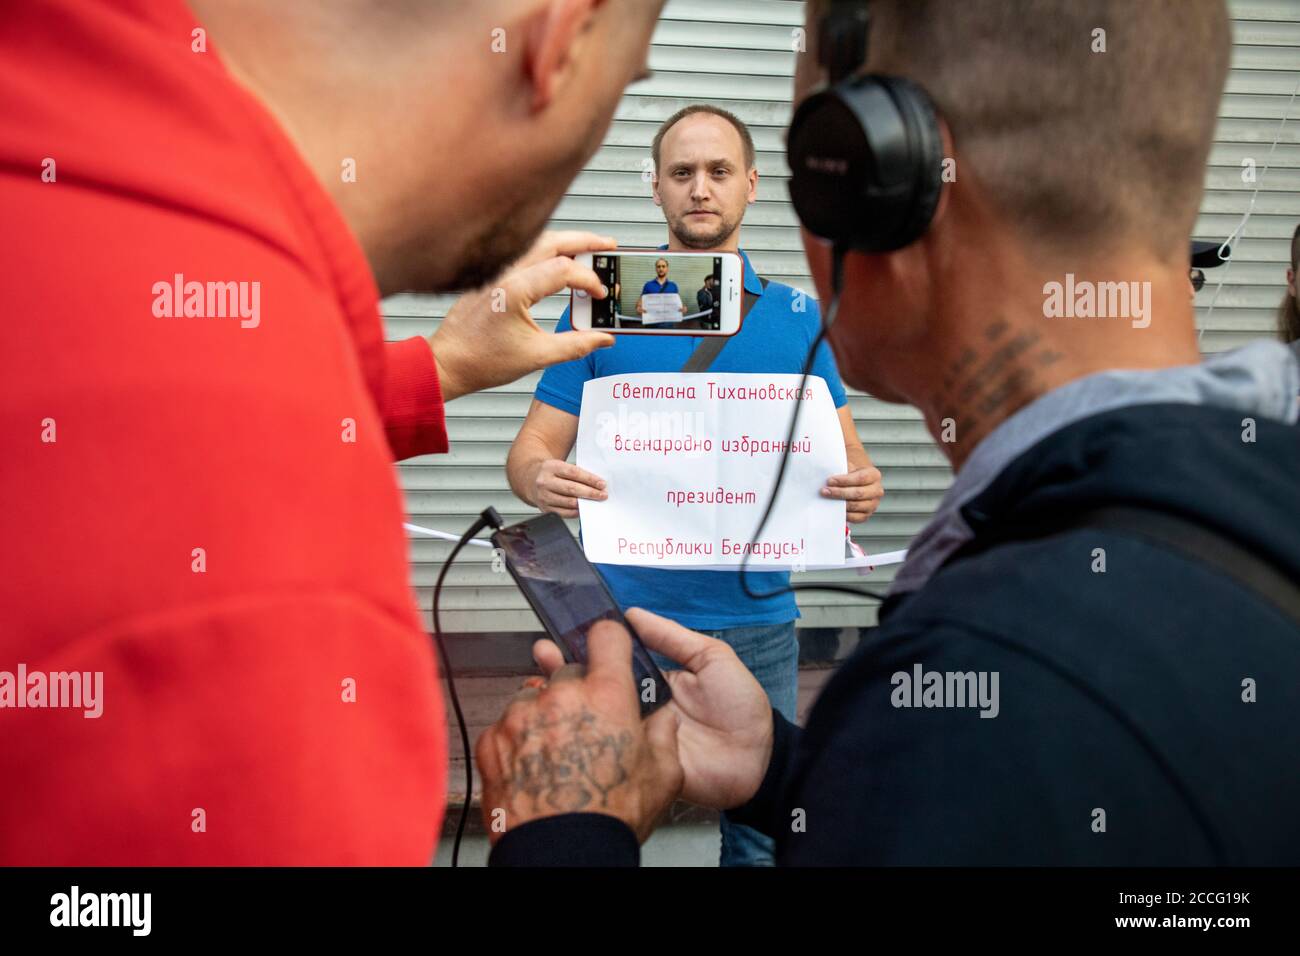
(737, 53)
(1265, 71)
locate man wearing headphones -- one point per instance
(1205, 254)
(1089, 657)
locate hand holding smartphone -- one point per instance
(661, 293)
(569, 597)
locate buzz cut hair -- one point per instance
(746, 140)
(1086, 122)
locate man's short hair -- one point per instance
(685, 111)
(1073, 144)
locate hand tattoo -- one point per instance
(567, 762)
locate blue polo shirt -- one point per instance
(654, 288)
(775, 337)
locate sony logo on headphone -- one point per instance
(827, 164)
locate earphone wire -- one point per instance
(828, 318)
(489, 518)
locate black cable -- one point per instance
(828, 317)
(488, 517)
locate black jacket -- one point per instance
(1123, 736)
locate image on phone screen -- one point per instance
(664, 291)
(569, 596)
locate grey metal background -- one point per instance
(737, 53)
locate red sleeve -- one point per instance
(201, 511)
(414, 419)
(258, 730)
(217, 532)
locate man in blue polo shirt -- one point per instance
(659, 284)
(705, 178)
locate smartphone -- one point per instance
(569, 596)
(662, 293)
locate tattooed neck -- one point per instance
(987, 382)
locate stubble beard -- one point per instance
(710, 240)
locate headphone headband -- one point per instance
(842, 38)
(865, 153)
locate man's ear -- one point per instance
(555, 35)
(654, 189)
(752, 197)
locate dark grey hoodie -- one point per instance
(1086, 697)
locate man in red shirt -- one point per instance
(200, 414)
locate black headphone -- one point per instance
(865, 152)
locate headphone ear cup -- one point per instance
(925, 151)
(865, 163)
(826, 152)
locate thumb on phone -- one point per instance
(548, 656)
(672, 640)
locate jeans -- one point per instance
(771, 652)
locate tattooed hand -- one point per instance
(724, 738)
(577, 744)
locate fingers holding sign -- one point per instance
(861, 490)
(557, 486)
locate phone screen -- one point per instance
(569, 596)
(658, 291)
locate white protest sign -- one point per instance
(690, 460)
(661, 307)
